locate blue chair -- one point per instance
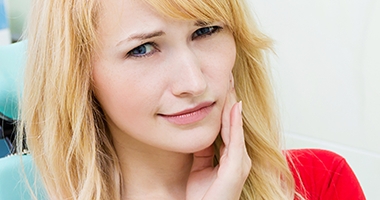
(18, 177)
(5, 146)
(12, 61)
(17, 173)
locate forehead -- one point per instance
(126, 11)
(203, 10)
(118, 17)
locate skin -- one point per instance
(138, 81)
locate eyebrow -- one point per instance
(201, 23)
(142, 36)
(145, 36)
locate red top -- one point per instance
(323, 175)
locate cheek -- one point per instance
(221, 62)
(119, 95)
(127, 107)
(220, 53)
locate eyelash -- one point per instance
(212, 30)
(153, 44)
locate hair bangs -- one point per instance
(204, 10)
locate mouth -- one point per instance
(190, 116)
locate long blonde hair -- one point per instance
(64, 124)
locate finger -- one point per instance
(222, 152)
(235, 152)
(236, 158)
(235, 164)
(236, 146)
(226, 116)
(203, 159)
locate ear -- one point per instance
(232, 82)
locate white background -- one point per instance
(327, 75)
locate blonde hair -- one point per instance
(64, 124)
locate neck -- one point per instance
(151, 173)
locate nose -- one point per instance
(189, 78)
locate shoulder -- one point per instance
(314, 157)
(322, 174)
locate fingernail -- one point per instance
(240, 106)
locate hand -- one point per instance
(226, 180)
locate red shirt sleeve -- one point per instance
(323, 175)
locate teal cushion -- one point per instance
(12, 61)
(14, 176)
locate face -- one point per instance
(161, 82)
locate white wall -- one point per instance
(18, 10)
(327, 73)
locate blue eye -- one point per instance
(142, 50)
(206, 31)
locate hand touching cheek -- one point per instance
(226, 180)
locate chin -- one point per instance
(200, 141)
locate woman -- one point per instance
(135, 99)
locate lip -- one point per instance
(191, 115)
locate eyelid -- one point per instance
(155, 46)
(216, 27)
